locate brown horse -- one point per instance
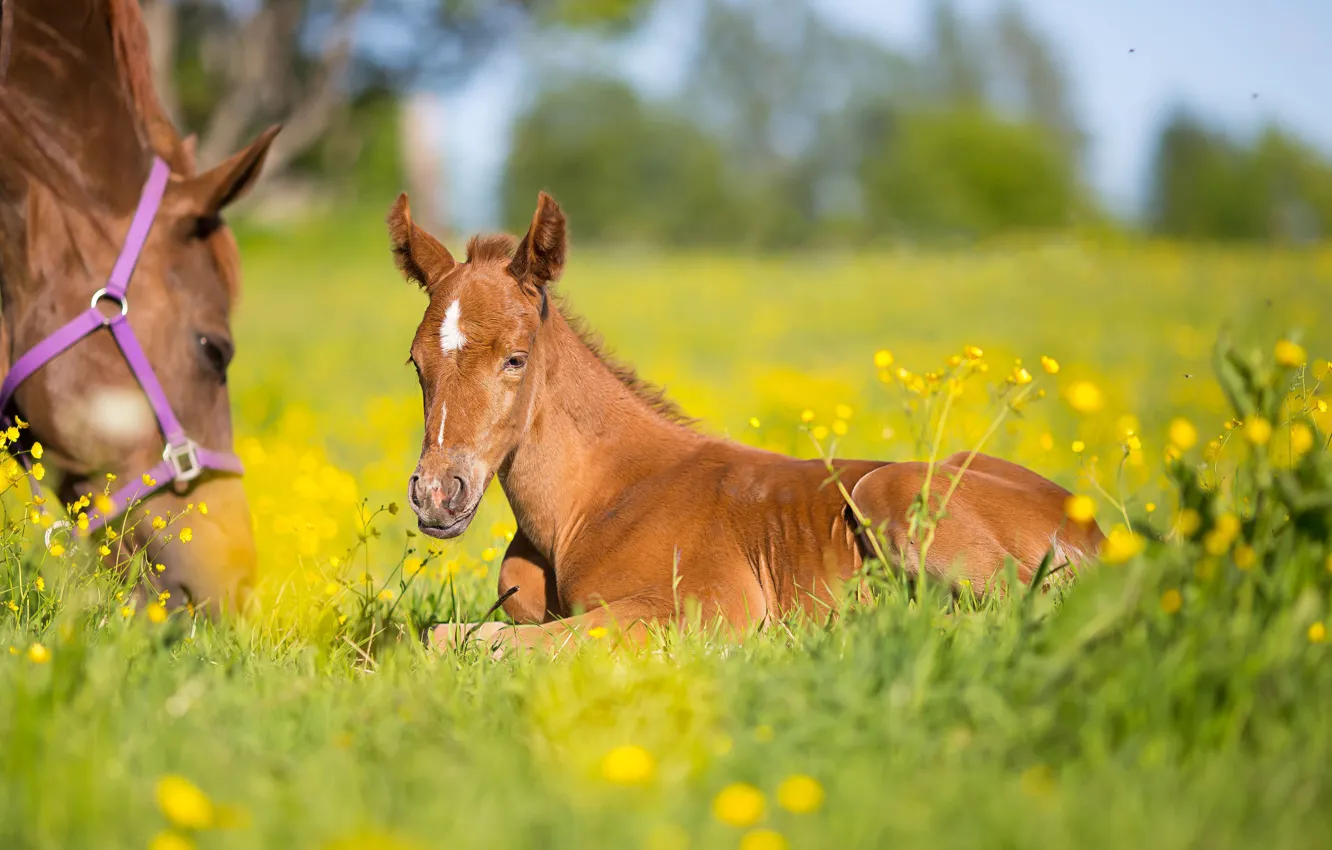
(624, 511)
(80, 128)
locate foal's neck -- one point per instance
(590, 436)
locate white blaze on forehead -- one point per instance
(450, 335)
(450, 339)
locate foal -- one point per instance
(624, 510)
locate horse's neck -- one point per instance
(74, 124)
(590, 436)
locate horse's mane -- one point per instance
(499, 248)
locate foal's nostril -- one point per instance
(458, 499)
(412, 497)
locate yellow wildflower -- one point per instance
(148, 480)
(628, 764)
(126, 612)
(186, 535)
(839, 427)
(157, 613)
(183, 803)
(1080, 508)
(1258, 431)
(386, 594)
(57, 549)
(1317, 632)
(1188, 522)
(739, 804)
(168, 840)
(11, 433)
(163, 596)
(412, 566)
(598, 632)
(37, 451)
(104, 505)
(754, 422)
(971, 352)
(800, 794)
(1171, 601)
(1301, 439)
(883, 358)
(843, 411)
(1150, 507)
(1245, 556)
(159, 523)
(1085, 397)
(807, 416)
(1183, 435)
(38, 471)
(1290, 354)
(820, 432)
(40, 584)
(489, 553)
(1078, 447)
(203, 508)
(763, 839)
(1120, 545)
(1021, 376)
(38, 654)
(1050, 365)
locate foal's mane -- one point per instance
(499, 248)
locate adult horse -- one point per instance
(624, 510)
(100, 204)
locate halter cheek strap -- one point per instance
(183, 460)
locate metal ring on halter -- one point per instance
(119, 299)
(60, 523)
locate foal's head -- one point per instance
(475, 352)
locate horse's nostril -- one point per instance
(412, 498)
(459, 492)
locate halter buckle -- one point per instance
(119, 299)
(184, 460)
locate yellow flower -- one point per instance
(839, 427)
(1050, 365)
(203, 508)
(754, 422)
(57, 549)
(37, 451)
(148, 480)
(1244, 556)
(843, 411)
(159, 567)
(1182, 434)
(104, 550)
(126, 612)
(110, 476)
(103, 504)
(1188, 522)
(184, 805)
(598, 632)
(1171, 601)
(1085, 397)
(1290, 354)
(488, 553)
(807, 416)
(739, 804)
(883, 358)
(1133, 442)
(1150, 507)
(412, 566)
(1080, 508)
(12, 433)
(971, 352)
(628, 764)
(1228, 525)
(159, 523)
(1317, 632)
(168, 840)
(386, 594)
(1120, 545)
(11, 605)
(163, 596)
(157, 613)
(820, 432)
(1258, 431)
(38, 654)
(40, 584)
(800, 794)
(763, 839)
(186, 535)
(1021, 376)
(1078, 447)
(38, 471)
(1301, 439)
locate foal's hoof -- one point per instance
(450, 636)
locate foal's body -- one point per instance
(624, 511)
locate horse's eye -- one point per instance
(217, 353)
(516, 362)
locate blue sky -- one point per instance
(1214, 55)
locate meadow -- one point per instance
(1174, 697)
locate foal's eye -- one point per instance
(217, 353)
(516, 363)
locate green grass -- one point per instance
(1102, 720)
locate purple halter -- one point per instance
(183, 460)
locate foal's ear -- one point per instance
(418, 255)
(209, 193)
(540, 256)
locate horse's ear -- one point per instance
(540, 256)
(419, 256)
(209, 193)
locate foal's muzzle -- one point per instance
(444, 504)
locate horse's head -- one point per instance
(86, 406)
(476, 354)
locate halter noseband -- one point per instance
(183, 460)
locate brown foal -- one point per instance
(79, 126)
(624, 511)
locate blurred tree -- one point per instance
(1204, 185)
(630, 170)
(226, 68)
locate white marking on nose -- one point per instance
(450, 335)
(443, 413)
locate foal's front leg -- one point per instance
(630, 618)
